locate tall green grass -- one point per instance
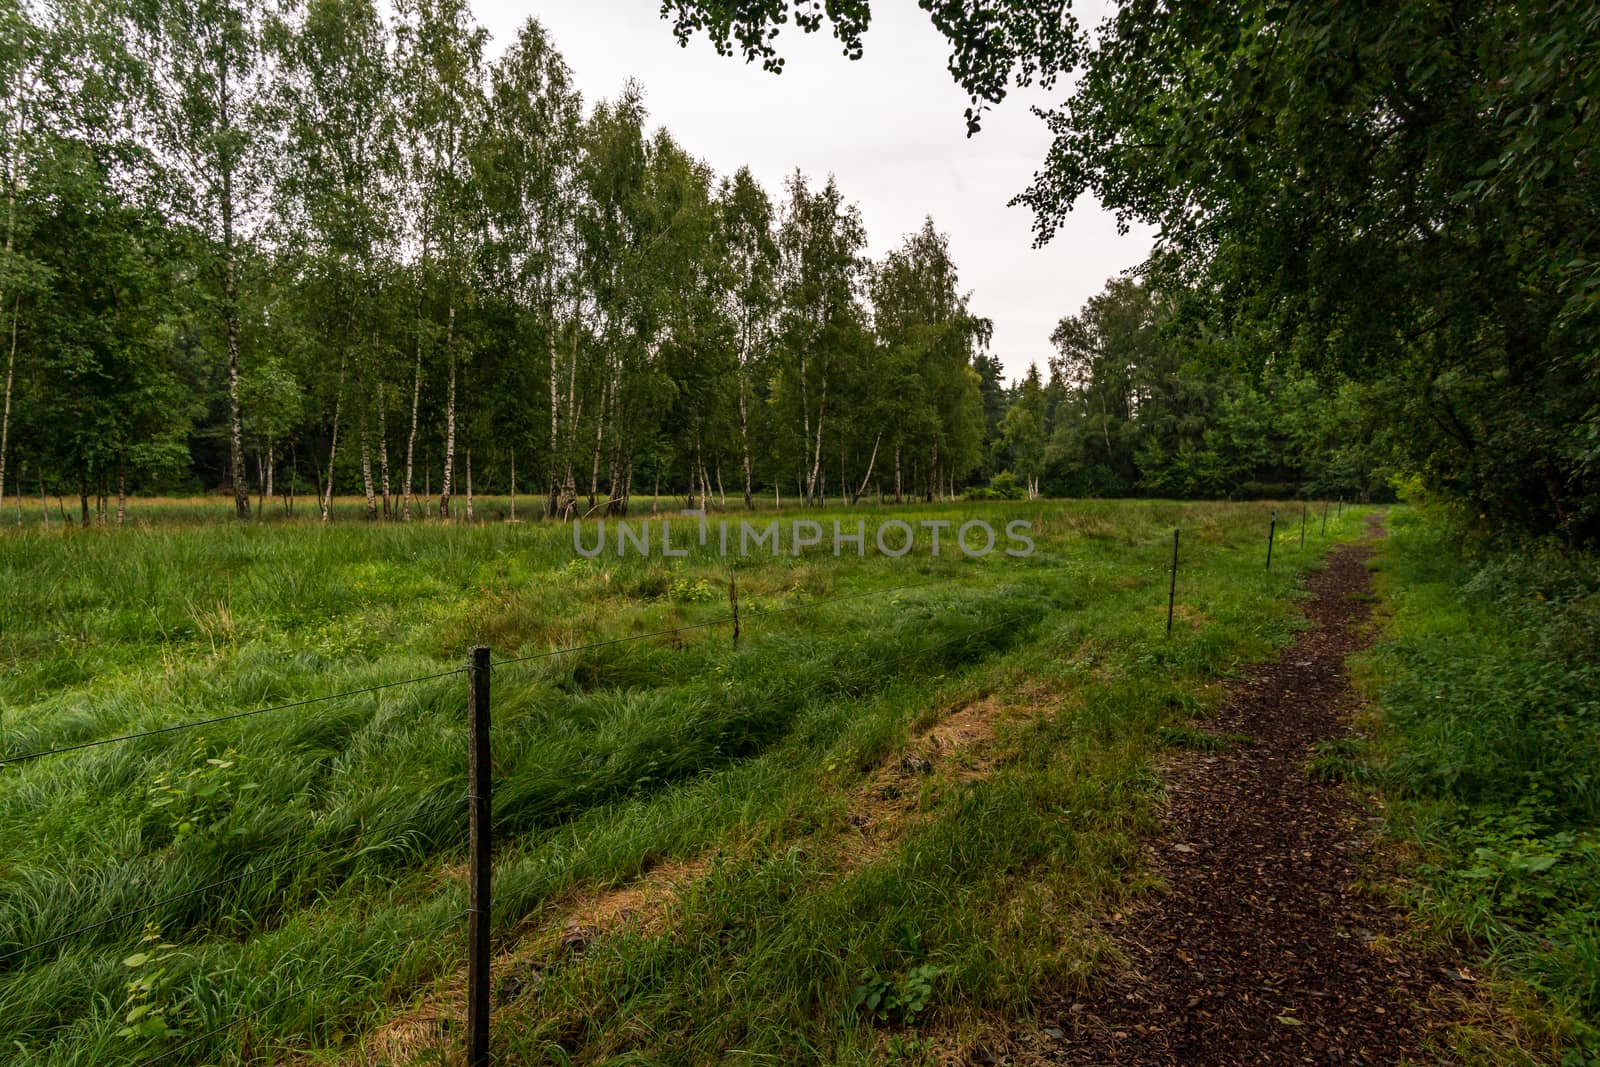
(304, 863)
(1488, 747)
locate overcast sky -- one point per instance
(889, 126)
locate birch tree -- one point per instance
(821, 244)
(441, 69)
(338, 187)
(610, 228)
(529, 171)
(212, 80)
(752, 296)
(689, 281)
(1023, 430)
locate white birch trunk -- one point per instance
(16, 304)
(569, 487)
(5, 416)
(448, 473)
(599, 438)
(816, 458)
(333, 449)
(383, 452)
(554, 503)
(230, 305)
(411, 438)
(366, 470)
(744, 437)
(871, 462)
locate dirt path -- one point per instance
(1262, 950)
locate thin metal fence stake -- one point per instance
(1172, 589)
(479, 773)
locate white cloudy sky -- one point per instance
(889, 126)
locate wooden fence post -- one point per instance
(478, 846)
(1272, 535)
(1172, 590)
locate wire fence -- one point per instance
(231, 717)
(721, 621)
(168, 1054)
(234, 879)
(478, 797)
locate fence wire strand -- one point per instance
(167, 1054)
(26, 756)
(840, 680)
(724, 620)
(231, 879)
(966, 638)
(708, 624)
(846, 677)
(580, 763)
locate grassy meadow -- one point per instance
(855, 893)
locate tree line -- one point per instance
(1397, 200)
(317, 248)
(321, 249)
(1132, 403)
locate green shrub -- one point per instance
(1006, 486)
(899, 998)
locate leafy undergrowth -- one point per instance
(306, 865)
(1487, 750)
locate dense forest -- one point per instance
(283, 252)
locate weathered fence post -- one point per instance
(1172, 589)
(479, 842)
(1272, 535)
(733, 602)
(1303, 525)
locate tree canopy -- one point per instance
(1401, 198)
(329, 246)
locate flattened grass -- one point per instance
(305, 874)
